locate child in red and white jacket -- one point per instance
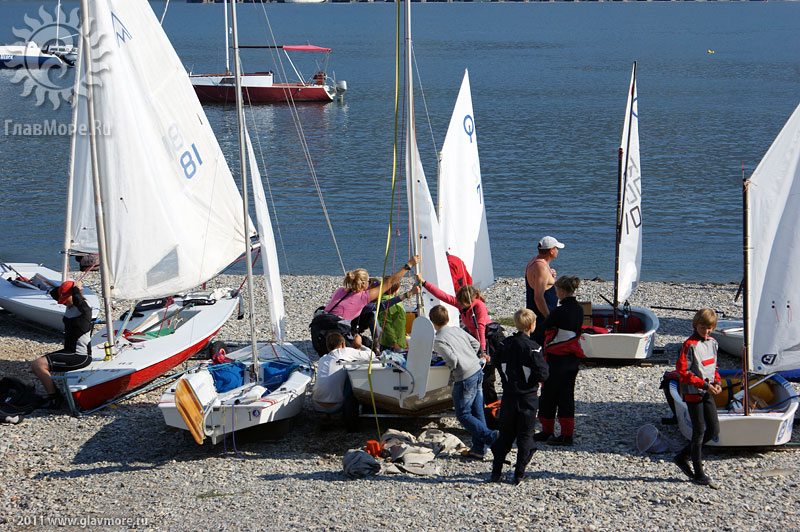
(699, 383)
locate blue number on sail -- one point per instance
(480, 196)
(633, 216)
(188, 164)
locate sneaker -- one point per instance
(561, 440)
(52, 402)
(542, 436)
(518, 479)
(703, 480)
(682, 462)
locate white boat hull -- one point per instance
(32, 302)
(140, 362)
(730, 336)
(231, 411)
(394, 391)
(621, 346)
(759, 429)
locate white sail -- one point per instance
(462, 215)
(83, 230)
(433, 261)
(172, 210)
(269, 254)
(630, 247)
(774, 276)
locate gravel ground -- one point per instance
(122, 468)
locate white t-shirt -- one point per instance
(329, 387)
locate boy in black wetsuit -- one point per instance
(521, 366)
(77, 352)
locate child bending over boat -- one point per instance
(459, 351)
(699, 383)
(392, 317)
(329, 389)
(475, 317)
(77, 352)
(562, 330)
(521, 367)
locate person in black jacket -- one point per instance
(562, 350)
(77, 352)
(521, 367)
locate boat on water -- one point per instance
(262, 87)
(757, 407)
(28, 55)
(620, 331)
(151, 184)
(265, 382)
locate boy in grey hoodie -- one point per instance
(459, 350)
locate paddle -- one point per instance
(190, 409)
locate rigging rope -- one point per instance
(306, 152)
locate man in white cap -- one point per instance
(540, 295)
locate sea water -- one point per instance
(716, 82)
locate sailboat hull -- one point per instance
(759, 429)
(31, 301)
(393, 389)
(258, 88)
(140, 362)
(233, 410)
(624, 345)
(729, 334)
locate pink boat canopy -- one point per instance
(306, 48)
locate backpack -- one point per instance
(18, 396)
(322, 325)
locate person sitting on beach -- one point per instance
(392, 318)
(699, 383)
(521, 367)
(459, 351)
(562, 350)
(540, 296)
(349, 300)
(77, 352)
(329, 389)
(475, 317)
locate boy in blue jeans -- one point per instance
(459, 350)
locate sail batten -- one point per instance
(172, 208)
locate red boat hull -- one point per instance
(96, 395)
(274, 94)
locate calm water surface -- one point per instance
(549, 84)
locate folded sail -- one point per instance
(774, 204)
(630, 247)
(173, 212)
(461, 209)
(269, 255)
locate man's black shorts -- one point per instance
(66, 361)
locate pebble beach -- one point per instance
(122, 468)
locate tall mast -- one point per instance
(243, 164)
(411, 145)
(227, 48)
(110, 344)
(746, 300)
(622, 184)
(70, 179)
